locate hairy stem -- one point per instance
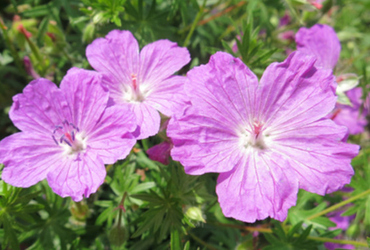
(340, 204)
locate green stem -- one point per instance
(201, 241)
(13, 51)
(246, 228)
(294, 12)
(351, 242)
(197, 18)
(340, 204)
(268, 230)
(80, 208)
(145, 144)
(35, 50)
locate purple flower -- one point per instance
(351, 116)
(322, 42)
(160, 152)
(287, 35)
(266, 139)
(285, 20)
(144, 80)
(342, 222)
(67, 135)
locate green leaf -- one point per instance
(350, 211)
(9, 234)
(153, 218)
(279, 231)
(153, 198)
(42, 30)
(175, 240)
(293, 230)
(332, 234)
(322, 222)
(227, 48)
(142, 187)
(305, 234)
(108, 213)
(187, 245)
(271, 238)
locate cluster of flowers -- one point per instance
(267, 139)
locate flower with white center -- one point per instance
(67, 135)
(142, 80)
(266, 139)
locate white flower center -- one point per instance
(135, 92)
(255, 137)
(69, 137)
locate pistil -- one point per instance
(68, 137)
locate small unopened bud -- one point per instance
(52, 36)
(23, 30)
(195, 213)
(118, 235)
(353, 231)
(29, 68)
(79, 211)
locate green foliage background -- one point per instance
(144, 204)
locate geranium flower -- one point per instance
(342, 222)
(67, 135)
(322, 42)
(160, 152)
(351, 116)
(266, 139)
(144, 80)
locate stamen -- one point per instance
(61, 139)
(68, 143)
(67, 135)
(254, 136)
(55, 140)
(57, 128)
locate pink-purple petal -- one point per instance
(80, 176)
(353, 117)
(86, 96)
(160, 152)
(321, 41)
(39, 108)
(258, 187)
(116, 56)
(224, 89)
(169, 97)
(147, 118)
(318, 158)
(159, 60)
(295, 92)
(203, 144)
(111, 138)
(28, 158)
